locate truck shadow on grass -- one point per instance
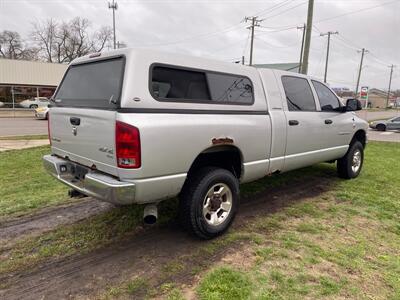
(112, 254)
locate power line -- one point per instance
(274, 46)
(273, 7)
(284, 11)
(273, 31)
(200, 36)
(350, 13)
(247, 42)
(378, 59)
(356, 11)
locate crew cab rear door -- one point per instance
(83, 113)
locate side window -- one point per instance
(298, 94)
(327, 99)
(176, 84)
(230, 88)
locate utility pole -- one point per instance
(390, 85)
(327, 50)
(302, 46)
(254, 22)
(363, 51)
(307, 43)
(114, 7)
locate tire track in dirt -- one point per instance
(49, 218)
(85, 276)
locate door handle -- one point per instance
(328, 121)
(75, 121)
(293, 122)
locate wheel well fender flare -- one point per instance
(229, 157)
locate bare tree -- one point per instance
(12, 47)
(44, 34)
(63, 42)
(101, 38)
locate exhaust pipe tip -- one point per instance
(150, 214)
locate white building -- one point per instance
(21, 80)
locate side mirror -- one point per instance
(353, 105)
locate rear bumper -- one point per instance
(88, 182)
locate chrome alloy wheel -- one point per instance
(356, 162)
(217, 204)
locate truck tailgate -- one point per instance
(85, 136)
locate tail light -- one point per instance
(127, 146)
(48, 126)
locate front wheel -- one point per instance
(381, 127)
(33, 106)
(209, 201)
(349, 166)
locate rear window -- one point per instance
(187, 85)
(95, 84)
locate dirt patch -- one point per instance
(47, 219)
(146, 253)
(241, 260)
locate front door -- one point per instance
(337, 126)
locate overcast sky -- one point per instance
(215, 29)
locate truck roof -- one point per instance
(158, 56)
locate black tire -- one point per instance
(381, 127)
(345, 166)
(33, 106)
(193, 196)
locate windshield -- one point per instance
(95, 84)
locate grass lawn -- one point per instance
(25, 137)
(24, 184)
(343, 243)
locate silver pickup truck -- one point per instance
(141, 126)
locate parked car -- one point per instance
(1, 104)
(382, 125)
(142, 126)
(35, 102)
(42, 112)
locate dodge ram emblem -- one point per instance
(74, 130)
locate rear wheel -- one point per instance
(349, 166)
(209, 201)
(381, 127)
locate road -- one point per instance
(378, 115)
(384, 136)
(28, 126)
(22, 126)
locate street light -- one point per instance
(114, 7)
